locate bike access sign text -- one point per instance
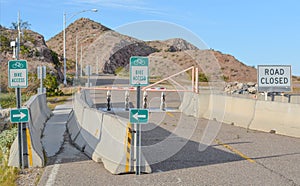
(139, 71)
(17, 74)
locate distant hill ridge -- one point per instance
(113, 50)
(116, 55)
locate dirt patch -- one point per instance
(30, 177)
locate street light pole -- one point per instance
(65, 63)
(64, 41)
(81, 61)
(76, 68)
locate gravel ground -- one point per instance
(30, 177)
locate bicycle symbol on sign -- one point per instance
(17, 65)
(139, 62)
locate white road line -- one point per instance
(53, 173)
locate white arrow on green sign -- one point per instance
(17, 74)
(19, 115)
(139, 116)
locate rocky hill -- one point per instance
(33, 49)
(84, 30)
(107, 50)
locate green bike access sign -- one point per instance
(139, 71)
(17, 74)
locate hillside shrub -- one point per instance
(203, 77)
(52, 86)
(8, 175)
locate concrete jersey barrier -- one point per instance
(103, 137)
(39, 114)
(283, 118)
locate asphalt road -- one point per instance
(235, 157)
(184, 150)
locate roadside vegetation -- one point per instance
(8, 175)
(8, 100)
(52, 102)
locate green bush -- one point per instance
(225, 78)
(9, 100)
(24, 50)
(8, 175)
(52, 86)
(4, 43)
(203, 77)
(7, 137)
(55, 59)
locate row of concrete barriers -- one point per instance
(104, 137)
(39, 114)
(282, 118)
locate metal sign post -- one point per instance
(138, 134)
(88, 72)
(41, 72)
(139, 73)
(18, 78)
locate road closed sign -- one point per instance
(274, 78)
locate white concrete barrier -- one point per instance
(284, 118)
(190, 104)
(86, 96)
(103, 137)
(91, 131)
(39, 114)
(73, 126)
(239, 111)
(75, 123)
(216, 105)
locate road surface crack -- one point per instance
(279, 174)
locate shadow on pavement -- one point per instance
(166, 151)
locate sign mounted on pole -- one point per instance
(17, 74)
(19, 115)
(139, 71)
(274, 78)
(139, 116)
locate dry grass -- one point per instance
(8, 175)
(52, 102)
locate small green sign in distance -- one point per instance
(139, 116)
(17, 74)
(19, 115)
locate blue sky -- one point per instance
(255, 32)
